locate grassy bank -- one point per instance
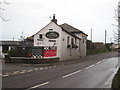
(96, 51)
(116, 80)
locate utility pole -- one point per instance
(105, 36)
(110, 40)
(91, 34)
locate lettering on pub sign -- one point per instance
(52, 35)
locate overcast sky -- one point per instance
(30, 16)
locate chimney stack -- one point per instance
(54, 20)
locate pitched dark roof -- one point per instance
(71, 34)
(71, 29)
(10, 43)
(65, 27)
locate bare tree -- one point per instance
(117, 27)
(3, 2)
(118, 19)
(22, 40)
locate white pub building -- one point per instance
(61, 41)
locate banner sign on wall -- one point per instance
(46, 51)
(50, 53)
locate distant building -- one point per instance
(98, 45)
(62, 41)
(5, 46)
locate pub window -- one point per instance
(68, 40)
(72, 41)
(5, 49)
(50, 29)
(40, 36)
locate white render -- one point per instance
(63, 52)
(2, 55)
(45, 41)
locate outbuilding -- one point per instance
(6, 46)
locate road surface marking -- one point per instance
(71, 74)
(90, 66)
(0, 74)
(103, 60)
(5, 75)
(106, 84)
(22, 72)
(30, 70)
(36, 69)
(45, 67)
(16, 72)
(41, 68)
(98, 62)
(38, 85)
(54, 66)
(49, 67)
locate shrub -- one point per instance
(68, 46)
(19, 52)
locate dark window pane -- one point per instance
(5, 49)
(40, 36)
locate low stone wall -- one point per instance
(30, 60)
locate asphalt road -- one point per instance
(86, 74)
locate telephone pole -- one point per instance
(91, 34)
(105, 36)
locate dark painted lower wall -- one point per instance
(30, 60)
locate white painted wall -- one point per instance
(68, 53)
(63, 52)
(2, 55)
(45, 41)
(82, 44)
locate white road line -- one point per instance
(5, 75)
(0, 74)
(45, 67)
(49, 67)
(36, 69)
(41, 68)
(98, 62)
(54, 66)
(38, 85)
(71, 74)
(16, 72)
(107, 83)
(90, 66)
(30, 70)
(103, 60)
(22, 72)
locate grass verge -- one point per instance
(96, 51)
(116, 81)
